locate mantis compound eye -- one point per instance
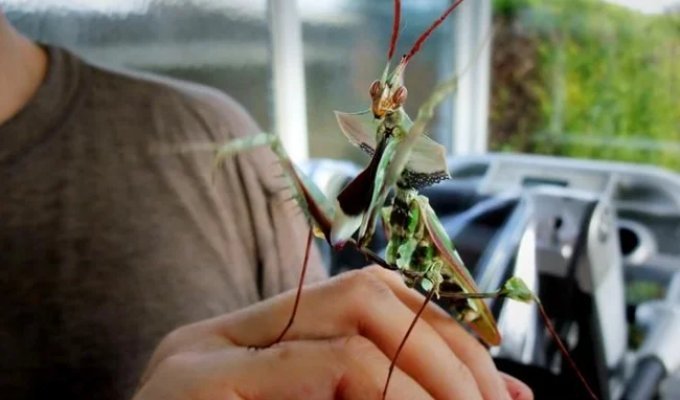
(399, 96)
(376, 89)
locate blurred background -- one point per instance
(583, 78)
(566, 79)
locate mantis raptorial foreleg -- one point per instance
(317, 209)
(310, 199)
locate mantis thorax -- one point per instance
(394, 123)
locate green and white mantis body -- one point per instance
(404, 160)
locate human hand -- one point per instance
(340, 346)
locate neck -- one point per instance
(23, 65)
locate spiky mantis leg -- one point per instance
(313, 203)
(393, 363)
(317, 209)
(434, 291)
(515, 289)
(298, 294)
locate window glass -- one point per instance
(222, 43)
(587, 78)
(345, 47)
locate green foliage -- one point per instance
(608, 81)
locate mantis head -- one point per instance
(389, 93)
(394, 146)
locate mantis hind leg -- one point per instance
(315, 206)
(429, 296)
(515, 289)
(298, 294)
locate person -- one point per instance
(107, 245)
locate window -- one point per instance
(581, 78)
(588, 79)
(345, 47)
(222, 43)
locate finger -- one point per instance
(344, 368)
(358, 304)
(355, 366)
(197, 337)
(517, 389)
(464, 345)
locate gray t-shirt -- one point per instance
(107, 244)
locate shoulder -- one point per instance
(178, 110)
(169, 113)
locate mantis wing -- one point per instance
(359, 128)
(484, 324)
(426, 164)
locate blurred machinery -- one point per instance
(599, 242)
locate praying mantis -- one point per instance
(403, 161)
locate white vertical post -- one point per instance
(472, 54)
(290, 108)
(483, 75)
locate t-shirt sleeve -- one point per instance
(108, 240)
(279, 227)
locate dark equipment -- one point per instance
(599, 242)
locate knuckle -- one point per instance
(357, 344)
(180, 339)
(178, 364)
(463, 372)
(357, 347)
(174, 338)
(376, 270)
(475, 347)
(360, 360)
(366, 286)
